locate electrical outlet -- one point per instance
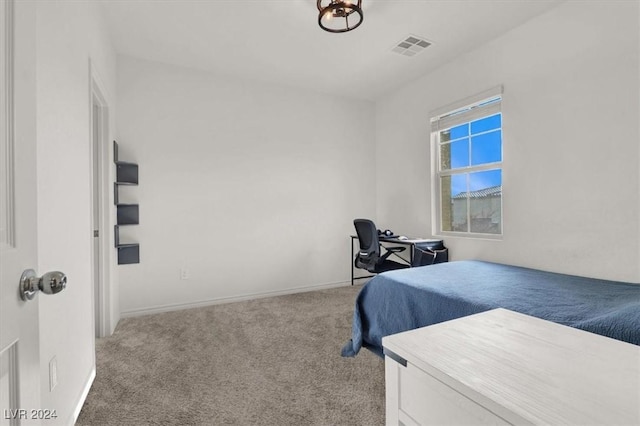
(53, 373)
(184, 273)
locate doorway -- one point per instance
(99, 210)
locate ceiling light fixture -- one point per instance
(339, 16)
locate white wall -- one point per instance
(69, 34)
(571, 140)
(252, 187)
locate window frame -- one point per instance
(481, 105)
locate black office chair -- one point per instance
(369, 257)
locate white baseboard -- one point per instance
(230, 299)
(83, 396)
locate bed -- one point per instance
(406, 299)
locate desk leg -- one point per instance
(412, 249)
(351, 262)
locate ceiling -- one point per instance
(279, 41)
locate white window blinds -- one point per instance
(481, 105)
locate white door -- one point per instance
(19, 339)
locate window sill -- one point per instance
(470, 236)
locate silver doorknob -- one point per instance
(50, 283)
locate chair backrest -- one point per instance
(369, 244)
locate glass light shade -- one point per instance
(339, 16)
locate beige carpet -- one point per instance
(273, 361)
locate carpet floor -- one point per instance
(272, 361)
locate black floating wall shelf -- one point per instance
(127, 253)
(126, 173)
(127, 214)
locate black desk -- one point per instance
(410, 243)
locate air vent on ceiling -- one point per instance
(411, 45)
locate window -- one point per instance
(467, 137)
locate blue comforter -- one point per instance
(406, 299)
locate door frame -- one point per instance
(102, 290)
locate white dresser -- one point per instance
(501, 367)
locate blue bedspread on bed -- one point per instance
(411, 298)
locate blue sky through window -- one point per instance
(475, 143)
(485, 179)
(487, 123)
